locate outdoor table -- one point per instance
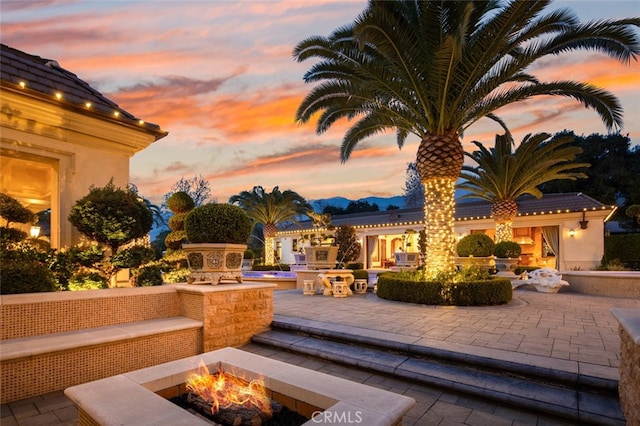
(325, 276)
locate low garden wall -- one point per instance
(629, 384)
(51, 341)
(604, 283)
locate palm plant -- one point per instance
(270, 209)
(502, 175)
(433, 68)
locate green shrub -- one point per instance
(133, 257)
(28, 276)
(493, 291)
(175, 239)
(360, 274)
(180, 202)
(218, 223)
(477, 245)
(278, 267)
(111, 216)
(149, 275)
(248, 254)
(87, 281)
(507, 249)
(355, 265)
(12, 211)
(177, 275)
(176, 222)
(11, 235)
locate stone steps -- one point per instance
(521, 381)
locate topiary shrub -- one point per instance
(26, 277)
(111, 216)
(87, 281)
(477, 245)
(507, 249)
(218, 223)
(180, 202)
(149, 275)
(494, 291)
(133, 257)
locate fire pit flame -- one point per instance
(225, 391)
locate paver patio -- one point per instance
(563, 326)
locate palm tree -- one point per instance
(433, 68)
(270, 209)
(503, 175)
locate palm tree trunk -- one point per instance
(439, 162)
(504, 213)
(269, 232)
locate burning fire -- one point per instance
(223, 390)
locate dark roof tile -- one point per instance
(527, 205)
(45, 77)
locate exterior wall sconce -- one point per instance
(584, 222)
(35, 231)
(572, 232)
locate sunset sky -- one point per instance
(220, 78)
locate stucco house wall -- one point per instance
(581, 249)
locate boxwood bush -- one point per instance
(477, 245)
(218, 223)
(494, 291)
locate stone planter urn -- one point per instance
(482, 262)
(300, 258)
(321, 257)
(506, 266)
(217, 235)
(214, 262)
(407, 259)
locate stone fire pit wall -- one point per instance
(50, 341)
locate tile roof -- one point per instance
(43, 78)
(527, 205)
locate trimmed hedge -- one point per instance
(280, 267)
(495, 291)
(360, 274)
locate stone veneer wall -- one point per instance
(231, 313)
(629, 384)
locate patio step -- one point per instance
(522, 381)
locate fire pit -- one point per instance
(139, 397)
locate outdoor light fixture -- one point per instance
(584, 222)
(572, 232)
(35, 231)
